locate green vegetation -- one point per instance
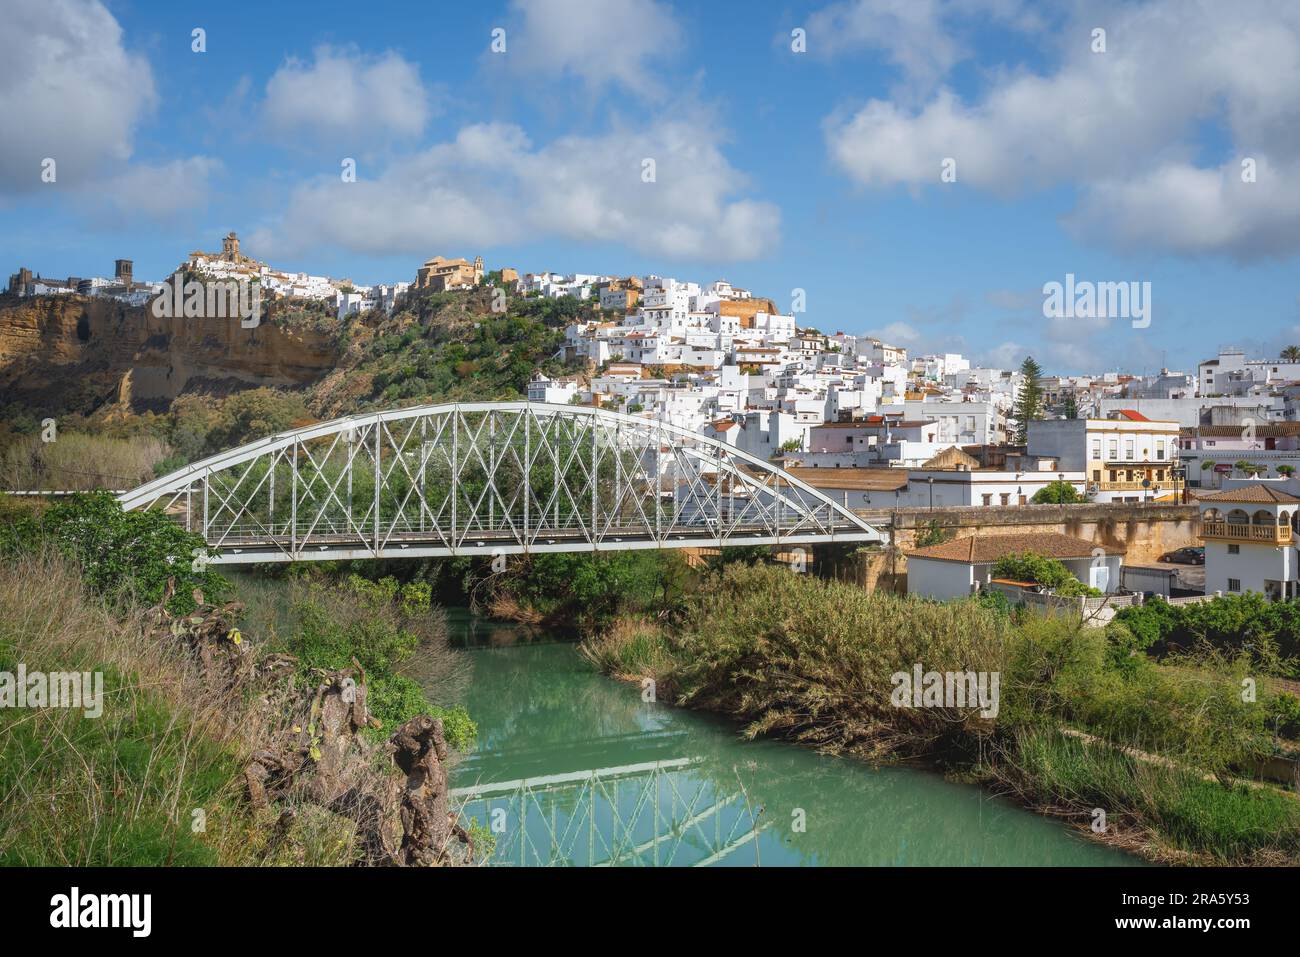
(1057, 493)
(380, 625)
(1269, 632)
(585, 591)
(78, 461)
(65, 777)
(127, 556)
(1048, 572)
(189, 704)
(1085, 718)
(1029, 401)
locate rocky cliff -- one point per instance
(76, 354)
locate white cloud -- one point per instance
(919, 36)
(344, 94)
(900, 334)
(491, 185)
(1123, 125)
(156, 191)
(69, 91)
(603, 42)
(1191, 210)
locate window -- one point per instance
(988, 498)
(1096, 475)
(1234, 584)
(1128, 448)
(1096, 448)
(1234, 549)
(1112, 449)
(1006, 498)
(1160, 448)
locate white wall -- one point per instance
(932, 578)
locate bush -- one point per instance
(125, 555)
(1268, 631)
(1057, 493)
(1048, 572)
(381, 625)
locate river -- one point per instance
(573, 768)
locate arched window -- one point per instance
(1238, 517)
(1262, 517)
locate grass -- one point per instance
(120, 789)
(158, 778)
(1170, 813)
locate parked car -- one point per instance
(1191, 555)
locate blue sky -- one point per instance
(779, 170)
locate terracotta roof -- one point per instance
(851, 479)
(985, 549)
(1250, 494)
(1271, 430)
(1132, 415)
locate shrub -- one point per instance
(125, 555)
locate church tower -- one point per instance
(230, 248)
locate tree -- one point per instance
(1029, 401)
(1249, 468)
(1071, 407)
(1291, 353)
(1057, 493)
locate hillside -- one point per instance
(122, 374)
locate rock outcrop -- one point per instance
(78, 353)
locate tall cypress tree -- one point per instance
(1029, 401)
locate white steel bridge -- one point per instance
(489, 478)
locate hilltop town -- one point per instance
(863, 421)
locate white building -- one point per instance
(1128, 458)
(1248, 533)
(964, 566)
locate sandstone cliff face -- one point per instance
(75, 353)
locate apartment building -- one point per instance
(1248, 533)
(1127, 458)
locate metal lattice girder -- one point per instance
(657, 813)
(489, 478)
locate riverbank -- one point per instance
(160, 724)
(817, 662)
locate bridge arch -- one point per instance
(489, 478)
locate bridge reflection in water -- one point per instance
(658, 813)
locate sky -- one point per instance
(918, 169)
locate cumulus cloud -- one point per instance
(920, 37)
(1123, 125)
(343, 93)
(605, 43)
(69, 90)
(492, 185)
(156, 191)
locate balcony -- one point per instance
(1168, 485)
(1242, 532)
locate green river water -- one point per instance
(573, 768)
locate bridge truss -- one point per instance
(654, 814)
(489, 478)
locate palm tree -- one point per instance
(1291, 353)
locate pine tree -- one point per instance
(1029, 402)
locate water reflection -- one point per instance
(575, 769)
